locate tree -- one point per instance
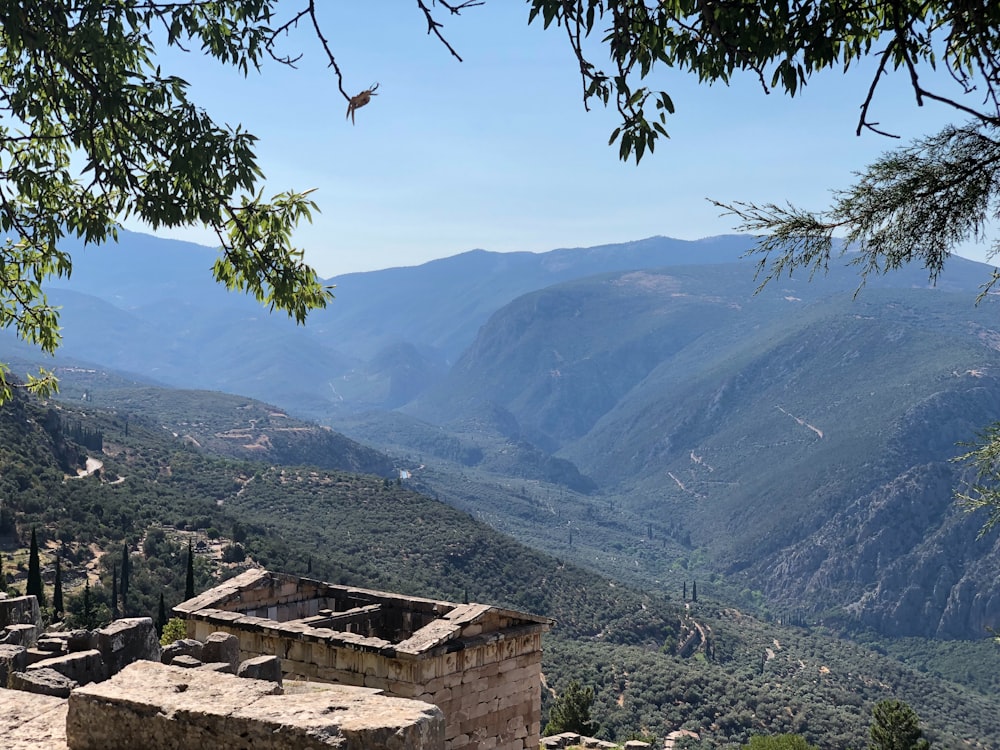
(3, 576)
(571, 712)
(125, 582)
(57, 592)
(895, 726)
(88, 610)
(189, 577)
(34, 586)
(98, 132)
(94, 132)
(161, 617)
(779, 742)
(114, 593)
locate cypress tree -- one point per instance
(189, 580)
(161, 617)
(124, 583)
(34, 586)
(684, 596)
(694, 591)
(114, 593)
(88, 615)
(57, 593)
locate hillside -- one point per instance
(148, 306)
(635, 648)
(758, 431)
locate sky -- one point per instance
(497, 151)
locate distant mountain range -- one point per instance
(794, 442)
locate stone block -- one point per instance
(52, 643)
(223, 647)
(34, 655)
(31, 721)
(20, 610)
(221, 667)
(150, 706)
(186, 662)
(261, 668)
(126, 641)
(42, 682)
(12, 659)
(22, 634)
(636, 745)
(83, 667)
(81, 640)
(183, 647)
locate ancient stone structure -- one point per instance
(20, 620)
(481, 665)
(31, 721)
(150, 706)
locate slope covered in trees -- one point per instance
(635, 649)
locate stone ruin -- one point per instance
(480, 664)
(364, 656)
(115, 687)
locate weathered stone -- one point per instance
(12, 659)
(20, 610)
(43, 682)
(82, 667)
(636, 745)
(261, 668)
(31, 721)
(183, 647)
(221, 647)
(186, 662)
(50, 642)
(159, 707)
(126, 641)
(34, 655)
(81, 640)
(20, 635)
(222, 667)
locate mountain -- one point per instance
(655, 663)
(638, 406)
(799, 438)
(150, 307)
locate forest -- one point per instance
(643, 654)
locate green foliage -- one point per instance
(97, 132)
(34, 586)
(782, 49)
(57, 591)
(189, 573)
(173, 630)
(779, 742)
(349, 529)
(895, 726)
(571, 711)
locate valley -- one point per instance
(637, 417)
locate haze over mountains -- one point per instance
(794, 442)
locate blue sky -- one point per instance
(497, 152)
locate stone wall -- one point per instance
(480, 665)
(489, 690)
(157, 707)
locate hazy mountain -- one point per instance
(787, 436)
(751, 434)
(386, 337)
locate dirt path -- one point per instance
(93, 465)
(802, 422)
